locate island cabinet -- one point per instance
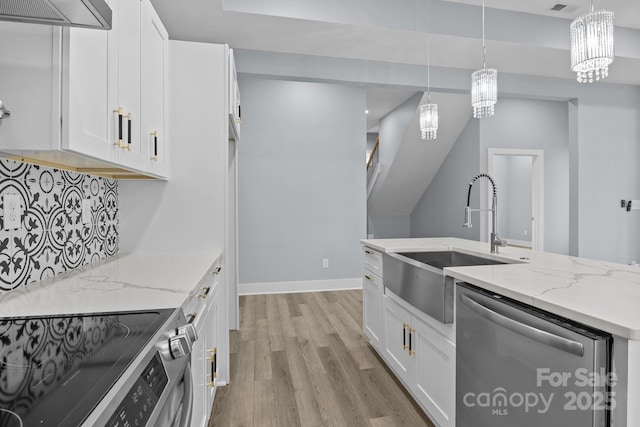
(423, 358)
(203, 309)
(88, 100)
(372, 291)
(420, 350)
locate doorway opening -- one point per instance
(520, 177)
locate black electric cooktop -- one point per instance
(54, 370)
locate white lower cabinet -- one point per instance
(372, 291)
(205, 311)
(423, 359)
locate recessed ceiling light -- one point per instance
(366, 111)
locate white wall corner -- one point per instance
(301, 286)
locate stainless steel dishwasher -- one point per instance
(519, 366)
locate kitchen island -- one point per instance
(598, 294)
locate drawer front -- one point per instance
(373, 260)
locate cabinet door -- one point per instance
(372, 308)
(434, 368)
(211, 344)
(154, 85)
(124, 41)
(199, 416)
(86, 128)
(28, 71)
(396, 337)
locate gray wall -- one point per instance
(540, 125)
(393, 127)
(301, 183)
(603, 129)
(440, 211)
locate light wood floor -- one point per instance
(303, 360)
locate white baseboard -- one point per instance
(302, 286)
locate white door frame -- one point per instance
(537, 190)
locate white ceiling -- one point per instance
(327, 29)
(627, 12)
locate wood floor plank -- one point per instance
(287, 413)
(372, 399)
(321, 371)
(288, 330)
(349, 404)
(248, 319)
(307, 347)
(260, 306)
(316, 331)
(320, 308)
(264, 400)
(262, 352)
(294, 301)
(305, 399)
(276, 342)
(330, 407)
(382, 422)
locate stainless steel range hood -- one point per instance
(73, 13)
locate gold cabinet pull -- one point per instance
(206, 290)
(214, 366)
(368, 278)
(217, 270)
(368, 252)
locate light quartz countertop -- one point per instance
(600, 294)
(139, 281)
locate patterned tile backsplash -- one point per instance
(53, 237)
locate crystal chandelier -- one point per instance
(429, 111)
(484, 85)
(592, 44)
(429, 121)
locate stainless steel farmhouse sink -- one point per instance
(417, 278)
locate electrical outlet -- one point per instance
(325, 262)
(12, 212)
(526, 232)
(86, 211)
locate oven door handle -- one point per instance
(529, 331)
(187, 404)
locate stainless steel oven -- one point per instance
(126, 369)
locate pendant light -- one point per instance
(429, 111)
(592, 48)
(484, 85)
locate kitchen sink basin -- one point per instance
(417, 278)
(444, 259)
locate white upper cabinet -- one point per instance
(80, 95)
(235, 108)
(154, 88)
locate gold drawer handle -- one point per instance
(206, 290)
(368, 278)
(217, 270)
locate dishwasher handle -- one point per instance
(529, 331)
